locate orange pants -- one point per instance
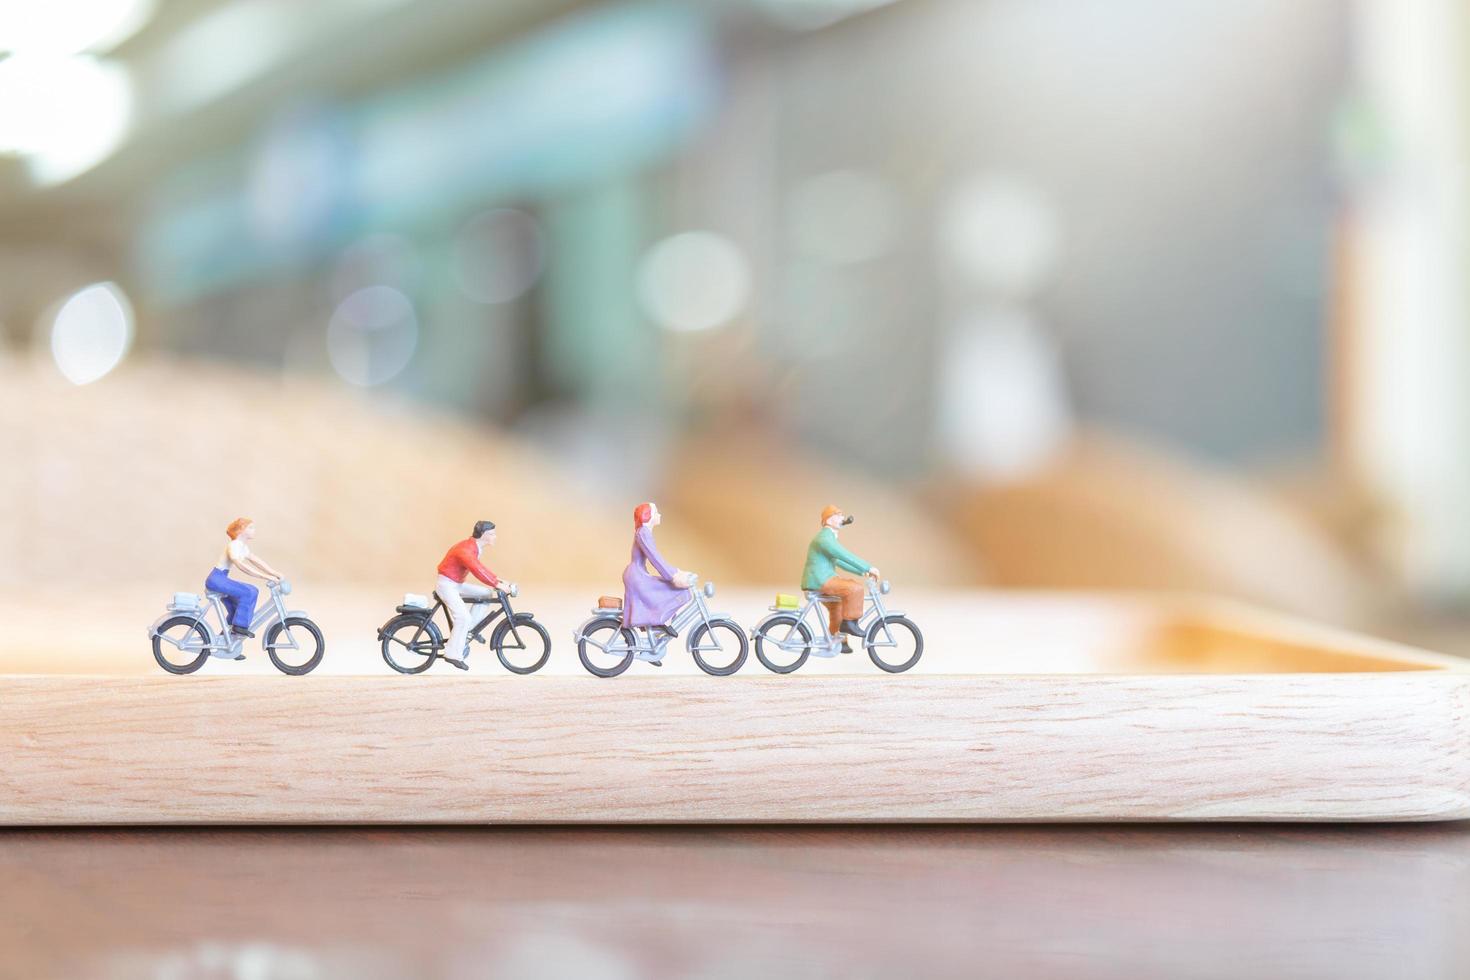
(851, 606)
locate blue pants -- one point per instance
(239, 596)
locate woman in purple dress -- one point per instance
(651, 599)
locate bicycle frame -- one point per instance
(646, 645)
(823, 642)
(222, 643)
(500, 600)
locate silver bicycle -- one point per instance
(607, 648)
(184, 637)
(784, 640)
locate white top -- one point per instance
(234, 552)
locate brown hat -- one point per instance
(827, 513)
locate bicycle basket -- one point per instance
(186, 602)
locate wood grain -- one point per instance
(1070, 708)
(344, 749)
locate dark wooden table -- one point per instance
(1177, 902)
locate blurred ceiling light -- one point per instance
(61, 27)
(693, 281)
(1000, 234)
(372, 336)
(808, 15)
(1003, 406)
(92, 332)
(843, 217)
(497, 256)
(62, 114)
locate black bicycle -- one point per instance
(412, 641)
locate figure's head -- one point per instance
(484, 532)
(241, 528)
(833, 517)
(647, 514)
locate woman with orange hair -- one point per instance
(650, 599)
(240, 597)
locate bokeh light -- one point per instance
(1000, 234)
(497, 255)
(60, 27)
(695, 280)
(843, 217)
(372, 336)
(379, 259)
(1003, 407)
(92, 332)
(62, 114)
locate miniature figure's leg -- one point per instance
(851, 606)
(240, 597)
(459, 618)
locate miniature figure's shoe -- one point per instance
(850, 627)
(657, 663)
(666, 630)
(239, 656)
(458, 663)
(242, 631)
(846, 647)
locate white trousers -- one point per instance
(461, 618)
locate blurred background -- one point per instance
(1150, 293)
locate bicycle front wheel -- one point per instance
(524, 649)
(719, 647)
(410, 643)
(295, 645)
(894, 643)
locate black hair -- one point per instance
(481, 527)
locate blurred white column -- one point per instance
(1407, 386)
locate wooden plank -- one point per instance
(1072, 708)
(365, 749)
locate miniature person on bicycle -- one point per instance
(460, 562)
(650, 600)
(823, 559)
(240, 597)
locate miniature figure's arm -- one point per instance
(665, 571)
(471, 560)
(845, 559)
(256, 566)
(266, 566)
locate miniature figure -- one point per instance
(786, 631)
(293, 642)
(650, 600)
(659, 605)
(824, 556)
(239, 597)
(411, 640)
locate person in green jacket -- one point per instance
(824, 556)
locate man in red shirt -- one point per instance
(460, 562)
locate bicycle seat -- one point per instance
(215, 595)
(821, 596)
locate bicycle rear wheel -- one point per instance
(605, 648)
(776, 639)
(411, 642)
(180, 645)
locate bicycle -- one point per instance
(611, 656)
(412, 641)
(184, 637)
(783, 640)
